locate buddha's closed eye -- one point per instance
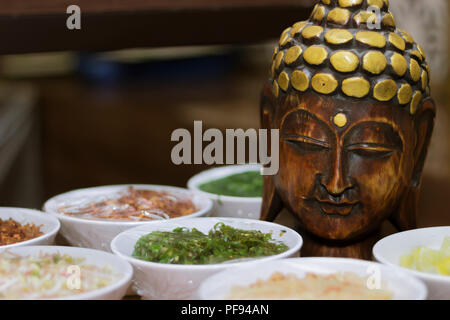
(368, 150)
(306, 134)
(306, 144)
(371, 150)
(373, 140)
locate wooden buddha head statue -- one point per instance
(350, 95)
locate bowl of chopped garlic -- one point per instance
(313, 279)
(423, 253)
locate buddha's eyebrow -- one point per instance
(302, 125)
(303, 119)
(374, 132)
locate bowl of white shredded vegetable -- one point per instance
(53, 272)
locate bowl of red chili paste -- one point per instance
(92, 217)
(26, 227)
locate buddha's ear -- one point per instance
(424, 124)
(268, 103)
(406, 216)
(271, 203)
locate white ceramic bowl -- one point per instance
(49, 225)
(226, 206)
(99, 258)
(168, 281)
(389, 250)
(97, 234)
(404, 286)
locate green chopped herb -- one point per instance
(246, 184)
(56, 258)
(222, 243)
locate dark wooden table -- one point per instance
(40, 25)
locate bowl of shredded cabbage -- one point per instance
(53, 272)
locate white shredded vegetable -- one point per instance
(50, 276)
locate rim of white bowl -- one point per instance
(34, 213)
(330, 261)
(221, 172)
(136, 261)
(126, 278)
(203, 211)
(424, 275)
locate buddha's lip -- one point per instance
(337, 204)
(337, 208)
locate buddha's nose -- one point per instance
(336, 181)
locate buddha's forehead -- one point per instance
(340, 114)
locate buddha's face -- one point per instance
(344, 164)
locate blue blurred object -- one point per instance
(103, 70)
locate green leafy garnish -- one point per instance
(222, 243)
(246, 184)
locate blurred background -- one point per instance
(97, 106)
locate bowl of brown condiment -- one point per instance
(26, 227)
(92, 217)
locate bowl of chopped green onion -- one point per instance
(235, 190)
(172, 258)
(423, 253)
